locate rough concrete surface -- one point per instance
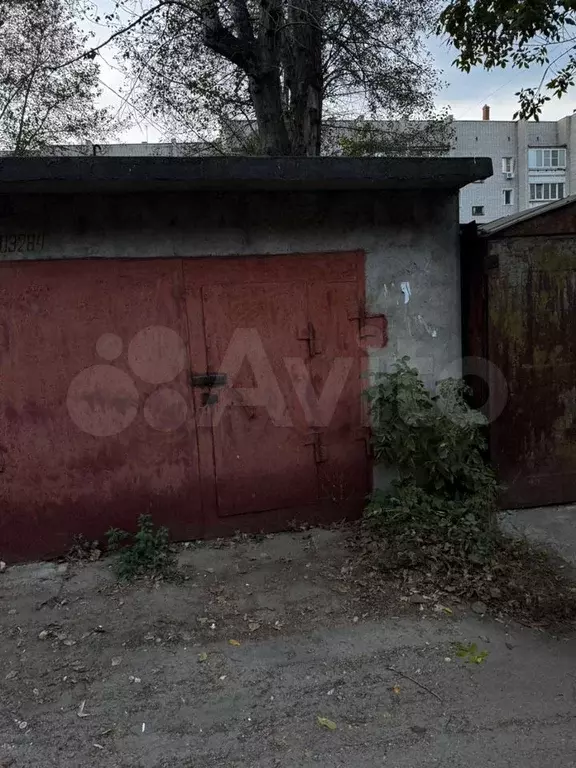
(94, 673)
(553, 528)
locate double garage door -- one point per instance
(216, 394)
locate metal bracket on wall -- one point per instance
(320, 450)
(309, 335)
(372, 329)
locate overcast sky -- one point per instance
(467, 93)
(464, 94)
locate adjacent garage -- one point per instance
(522, 319)
(190, 337)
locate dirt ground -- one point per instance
(146, 676)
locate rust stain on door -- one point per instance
(532, 339)
(80, 454)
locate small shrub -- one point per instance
(145, 553)
(444, 497)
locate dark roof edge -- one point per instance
(505, 222)
(87, 174)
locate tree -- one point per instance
(496, 33)
(413, 138)
(41, 103)
(281, 66)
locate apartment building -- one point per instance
(534, 163)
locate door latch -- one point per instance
(208, 380)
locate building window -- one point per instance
(507, 196)
(546, 158)
(477, 210)
(507, 165)
(543, 192)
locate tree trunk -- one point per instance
(265, 83)
(306, 119)
(304, 40)
(18, 143)
(288, 113)
(266, 96)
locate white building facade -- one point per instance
(534, 163)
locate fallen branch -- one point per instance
(420, 685)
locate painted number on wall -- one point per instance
(21, 242)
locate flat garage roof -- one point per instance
(120, 174)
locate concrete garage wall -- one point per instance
(410, 240)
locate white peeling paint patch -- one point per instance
(428, 328)
(405, 288)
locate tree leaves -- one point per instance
(370, 53)
(326, 723)
(446, 493)
(499, 33)
(41, 104)
(414, 138)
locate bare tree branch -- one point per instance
(91, 53)
(220, 40)
(281, 62)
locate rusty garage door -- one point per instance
(218, 395)
(532, 342)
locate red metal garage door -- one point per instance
(286, 433)
(217, 394)
(78, 453)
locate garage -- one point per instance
(522, 321)
(190, 338)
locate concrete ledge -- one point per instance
(88, 174)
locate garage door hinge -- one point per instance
(309, 335)
(320, 451)
(372, 329)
